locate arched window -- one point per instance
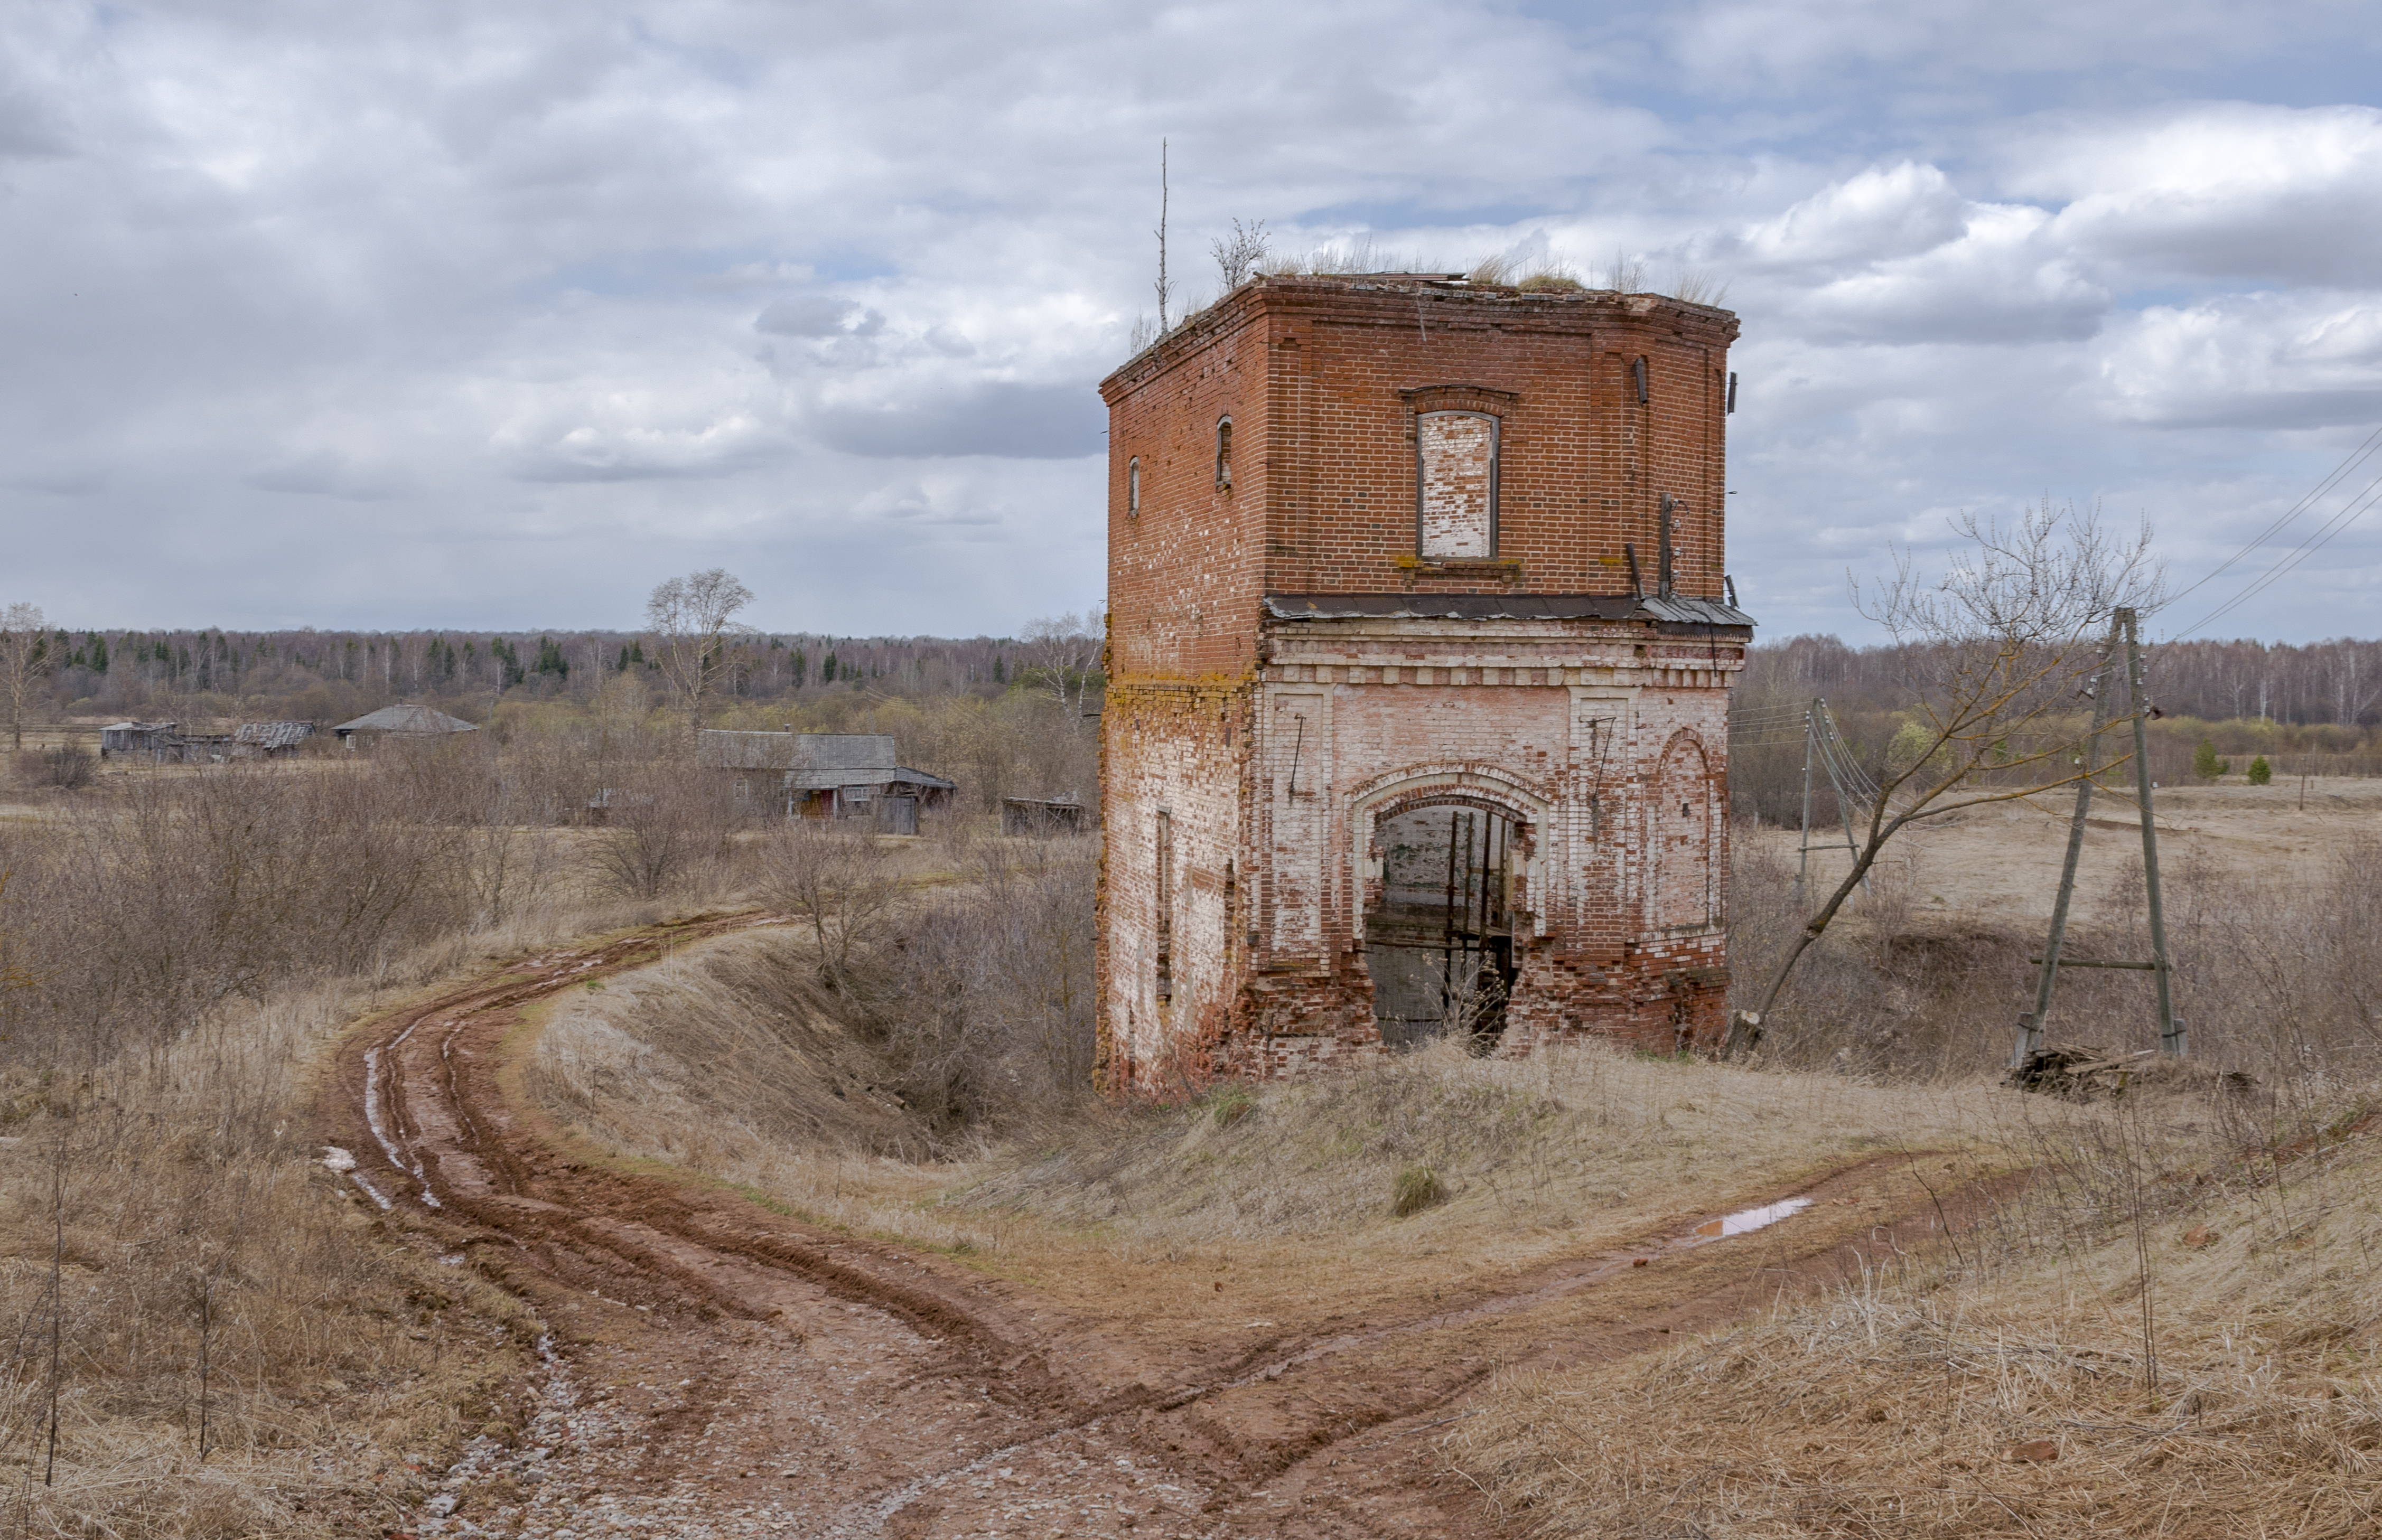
(1224, 453)
(1133, 488)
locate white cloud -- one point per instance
(2304, 361)
(1880, 214)
(2224, 190)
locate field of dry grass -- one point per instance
(2171, 1331)
(173, 1253)
(2002, 863)
(223, 1339)
(725, 1062)
(2161, 1322)
(205, 1330)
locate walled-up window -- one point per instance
(1455, 462)
(1680, 828)
(1133, 488)
(1224, 455)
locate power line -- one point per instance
(2291, 559)
(2355, 459)
(2356, 456)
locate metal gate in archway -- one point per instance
(1438, 944)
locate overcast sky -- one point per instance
(492, 314)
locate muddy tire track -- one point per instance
(718, 1369)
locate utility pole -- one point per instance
(1820, 734)
(2170, 1029)
(2031, 1026)
(1803, 861)
(2125, 626)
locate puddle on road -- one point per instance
(1751, 1218)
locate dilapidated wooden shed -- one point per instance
(826, 775)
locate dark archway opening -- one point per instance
(1439, 941)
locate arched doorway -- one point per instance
(1439, 938)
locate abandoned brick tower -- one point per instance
(1419, 649)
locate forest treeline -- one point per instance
(2307, 708)
(2336, 683)
(978, 709)
(2333, 683)
(311, 675)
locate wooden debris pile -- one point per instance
(2087, 1073)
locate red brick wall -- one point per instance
(1322, 500)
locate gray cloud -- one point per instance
(817, 315)
(1008, 422)
(310, 311)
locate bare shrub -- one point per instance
(68, 767)
(985, 1020)
(1242, 257)
(152, 908)
(1996, 650)
(925, 1025)
(665, 824)
(838, 880)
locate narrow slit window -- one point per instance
(1165, 886)
(1133, 488)
(1224, 455)
(1456, 494)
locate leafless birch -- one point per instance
(692, 619)
(22, 630)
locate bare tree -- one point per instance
(1998, 656)
(1241, 256)
(691, 618)
(22, 627)
(1063, 653)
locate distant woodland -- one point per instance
(326, 676)
(331, 676)
(2314, 708)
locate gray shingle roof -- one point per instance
(844, 759)
(406, 719)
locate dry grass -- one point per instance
(227, 1340)
(1580, 1137)
(2183, 1310)
(1292, 1186)
(231, 1343)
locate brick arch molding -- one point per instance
(1397, 791)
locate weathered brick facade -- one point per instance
(1395, 734)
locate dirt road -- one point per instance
(717, 1369)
